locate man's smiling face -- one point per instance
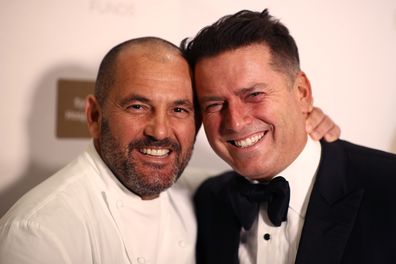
(253, 115)
(148, 126)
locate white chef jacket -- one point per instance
(83, 214)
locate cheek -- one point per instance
(211, 128)
(283, 111)
(268, 116)
(212, 122)
(185, 132)
(213, 135)
(125, 131)
(291, 123)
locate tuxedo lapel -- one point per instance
(331, 212)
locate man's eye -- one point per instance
(135, 107)
(255, 96)
(179, 110)
(215, 107)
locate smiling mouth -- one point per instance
(162, 152)
(248, 142)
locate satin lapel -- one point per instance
(331, 212)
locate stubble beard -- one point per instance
(133, 174)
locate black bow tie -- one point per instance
(246, 198)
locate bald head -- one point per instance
(146, 48)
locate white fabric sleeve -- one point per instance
(25, 242)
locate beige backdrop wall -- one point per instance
(347, 48)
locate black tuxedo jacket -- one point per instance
(351, 215)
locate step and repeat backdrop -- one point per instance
(50, 52)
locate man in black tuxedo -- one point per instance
(335, 201)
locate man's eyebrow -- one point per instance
(128, 99)
(251, 88)
(185, 102)
(246, 90)
(238, 92)
(211, 98)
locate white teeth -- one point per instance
(155, 152)
(247, 142)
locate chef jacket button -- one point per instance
(182, 243)
(141, 260)
(267, 236)
(120, 204)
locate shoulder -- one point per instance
(361, 156)
(359, 166)
(61, 192)
(218, 181)
(54, 220)
(214, 186)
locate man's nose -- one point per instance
(158, 126)
(235, 117)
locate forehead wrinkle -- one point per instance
(155, 52)
(144, 65)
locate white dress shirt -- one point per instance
(83, 214)
(266, 243)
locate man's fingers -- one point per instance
(314, 119)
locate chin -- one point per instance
(252, 174)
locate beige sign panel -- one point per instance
(71, 121)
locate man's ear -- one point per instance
(303, 93)
(94, 115)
